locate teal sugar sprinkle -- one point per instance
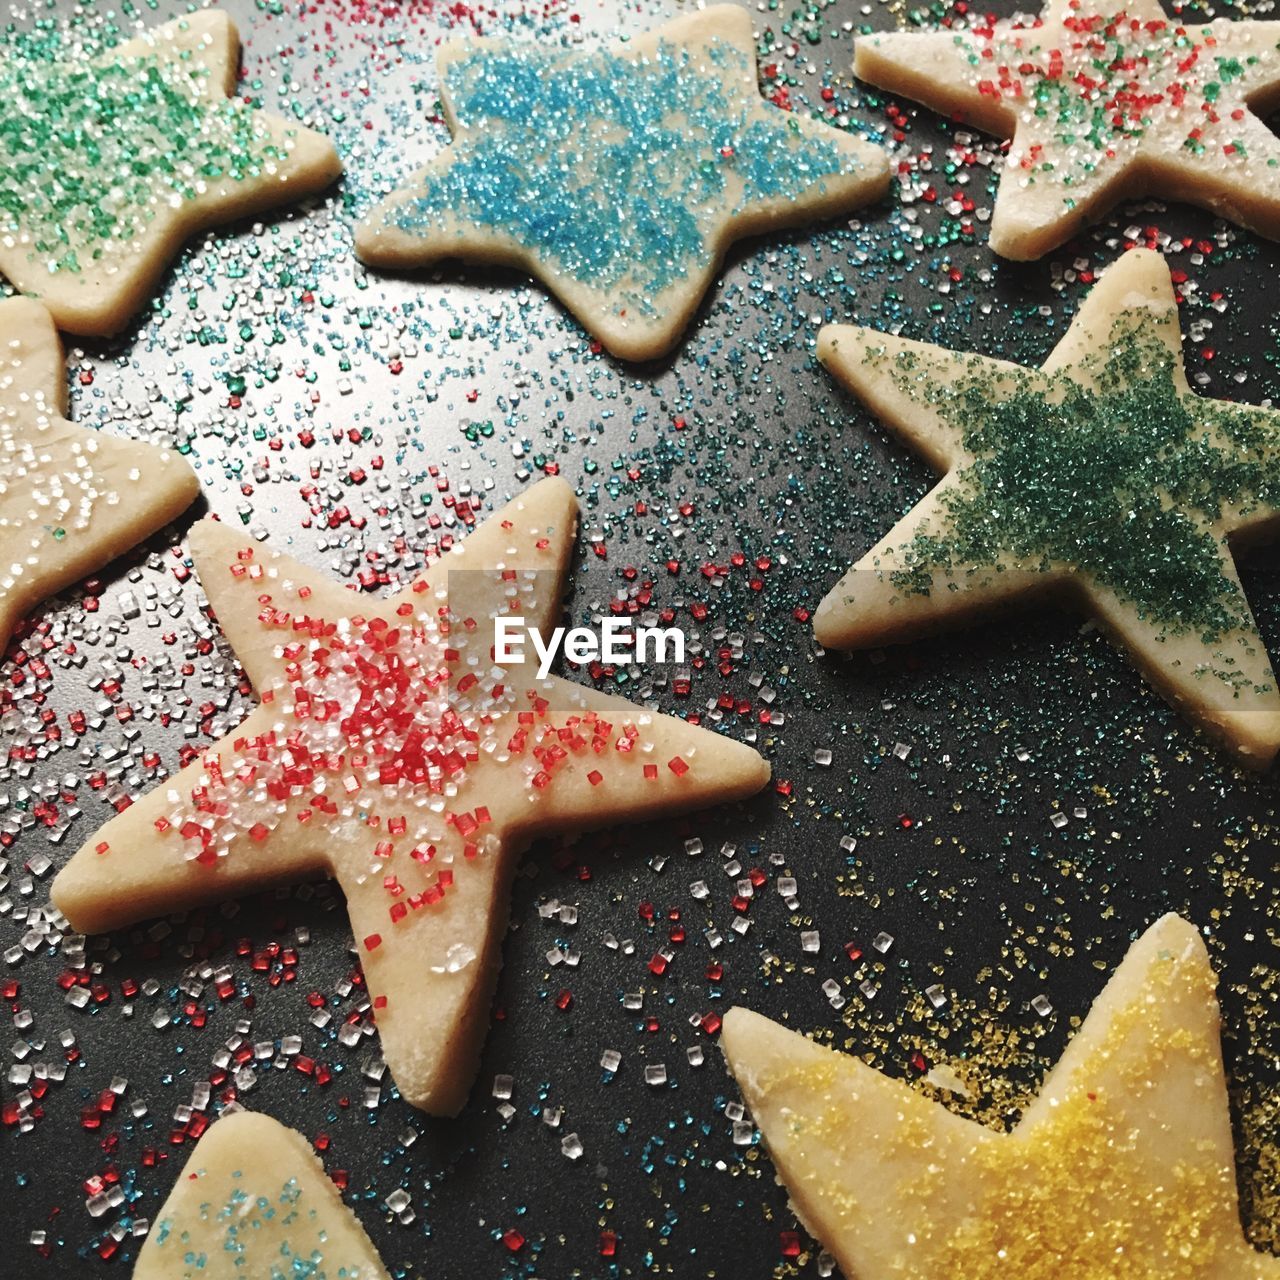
(243, 1215)
(613, 168)
(1119, 480)
(89, 151)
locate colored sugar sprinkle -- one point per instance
(250, 1224)
(615, 168)
(92, 152)
(1121, 479)
(1113, 77)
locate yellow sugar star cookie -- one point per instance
(619, 177)
(108, 164)
(1100, 477)
(253, 1202)
(71, 499)
(1121, 1169)
(392, 751)
(1103, 102)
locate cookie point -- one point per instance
(216, 22)
(551, 499)
(74, 892)
(1139, 263)
(208, 533)
(556, 486)
(738, 1024)
(841, 344)
(829, 341)
(1172, 929)
(830, 626)
(367, 238)
(31, 316)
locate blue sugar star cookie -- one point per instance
(618, 177)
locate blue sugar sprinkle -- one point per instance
(614, 170)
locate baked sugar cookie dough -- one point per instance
(108, 165)
(393, 752)
(1121, 1169)
(1100, 476)
(71, 499)
(254, 1202)
(1103, 102)
(618, 177)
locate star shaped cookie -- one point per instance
(107, 165)
(618, 177)
(1100, 477)
(1103, 103)
(1121, 1169)
(253, 1201)
(71, 499)
(393, 751)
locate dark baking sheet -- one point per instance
(957, 857)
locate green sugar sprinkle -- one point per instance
(90, 151)
(1100, 79)
(1122, 480)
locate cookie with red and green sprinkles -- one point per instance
(619, 176)
(1102, 104)
(399, 750)
(1100, 477)
(108, 164)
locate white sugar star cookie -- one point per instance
(108, 165)
(71, 499)
(1099, 477)
(254, 1202)
(391, 751)
(618, 177)
(1104, 103)
(1121, 1169)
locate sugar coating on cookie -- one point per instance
(71, 498)
(392, 751)
(1103, 103)
(1122, 1167)
(618, 175)
(108, 162)
(254, 1201)
(1101, 475)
